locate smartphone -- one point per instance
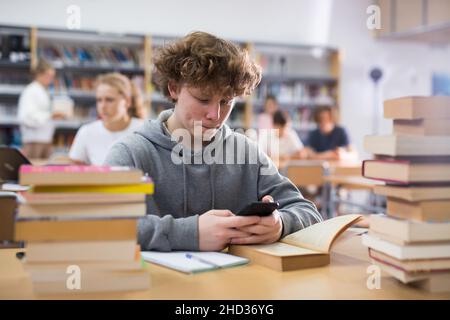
(259, 208)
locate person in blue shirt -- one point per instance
(329, 141)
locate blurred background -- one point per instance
(345, 54)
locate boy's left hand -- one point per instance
(268, 230)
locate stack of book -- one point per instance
(412, 243)
(80, 225)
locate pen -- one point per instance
(190, 256)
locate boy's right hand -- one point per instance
(217, 227)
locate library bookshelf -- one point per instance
(301, 77)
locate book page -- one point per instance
(283, 250)
(320, 236)
(221, 259)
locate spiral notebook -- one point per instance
(193, 262)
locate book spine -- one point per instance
(390, 181)
(70, 169)
(145, 188)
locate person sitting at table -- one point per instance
(329, 141)
(121, 112)
(265, 119)
(283, 143)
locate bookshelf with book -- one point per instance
(301, 77)
(78, 57)
(15, 61)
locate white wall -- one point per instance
(407, 68)
(297, 21)
(341, 23)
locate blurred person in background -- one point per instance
(265, 119)
(35, 113)
(121, 112)
(329, 141)
(282, 143)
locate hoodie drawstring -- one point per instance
(185, 197)
(212, 184)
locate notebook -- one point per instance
(193, 262)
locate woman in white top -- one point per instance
(119, 106)
(35, 114)
(281, 143)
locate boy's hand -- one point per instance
(216, 228)
(267, 230)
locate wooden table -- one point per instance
(344, 278)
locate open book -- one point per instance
(306, 248)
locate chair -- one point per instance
(305, 174)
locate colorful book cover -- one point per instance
(72, 169)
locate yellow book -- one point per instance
(143, 188)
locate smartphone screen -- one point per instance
(259, 208)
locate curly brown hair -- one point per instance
(208, 62)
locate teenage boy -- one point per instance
(196, 199)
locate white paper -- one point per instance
(200, 261)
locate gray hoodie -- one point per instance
(185, 191)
